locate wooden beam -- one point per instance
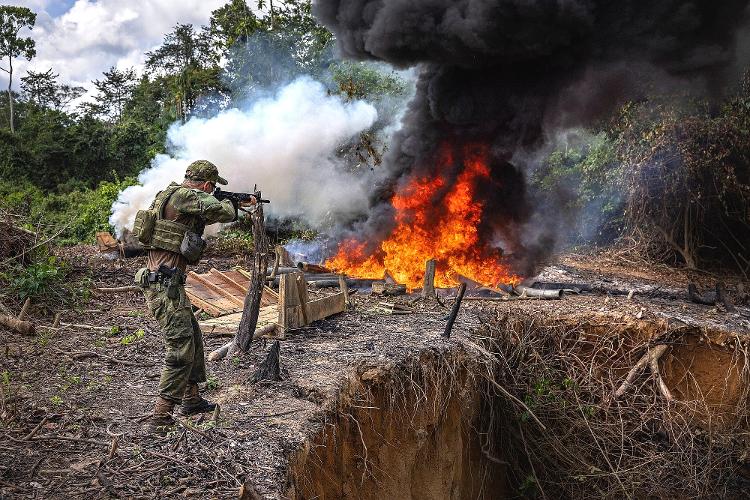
(428, 287)
(344, 288)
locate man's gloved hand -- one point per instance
(249, 202)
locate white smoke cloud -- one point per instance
(285, 144)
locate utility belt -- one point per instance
(171, 278)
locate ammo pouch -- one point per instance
(143, 228)
(141, 277)
(192, 246)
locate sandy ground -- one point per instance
(71, 422)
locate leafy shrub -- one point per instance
(591, 174)
(688, 181)
(38, 279)
(48, 281)
(80, 211)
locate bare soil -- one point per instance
(370, 405)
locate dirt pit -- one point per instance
(407, 433)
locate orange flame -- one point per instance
(446, 230)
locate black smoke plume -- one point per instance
(506, 72)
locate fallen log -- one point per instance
(525, 291)
(707, 299)
(20, 326)
(385, 288)
(313, 268)
(331, 283)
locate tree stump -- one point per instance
(251, 307)
(428, 287)
(270, 369)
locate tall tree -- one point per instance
(12, 21)
(42, 89)
(114, 90)
(233, 23)
(188, 62)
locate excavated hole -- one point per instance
(442, 426)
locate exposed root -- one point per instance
(689, 424)
(650, 359)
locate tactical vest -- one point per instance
(154, 231)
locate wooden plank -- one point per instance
(327, 306)
(269, 297)
(287, 298)
(197, 291)
(228, 324)
(106, 242)
(206, 279)
(302, 296)
(206, 306)
(234, 287)
(294, 318)
(236, 276)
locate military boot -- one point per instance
(193, 403)
(161, 420)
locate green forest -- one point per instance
(667, 176)
(63, 165)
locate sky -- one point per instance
(79, 39)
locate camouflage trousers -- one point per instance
(184, 361)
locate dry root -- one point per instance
(633, 445)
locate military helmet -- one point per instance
(204, 170)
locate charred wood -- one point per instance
(251, 307)
(454, 311)
(270, 368)
(389, 289)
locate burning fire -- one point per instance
(433, 220)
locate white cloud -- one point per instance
(94, 35)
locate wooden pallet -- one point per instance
(292, 308)
(220, 293)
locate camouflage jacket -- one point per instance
(195, 209)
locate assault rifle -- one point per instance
(237, 198)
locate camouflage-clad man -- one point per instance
(179, 216)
